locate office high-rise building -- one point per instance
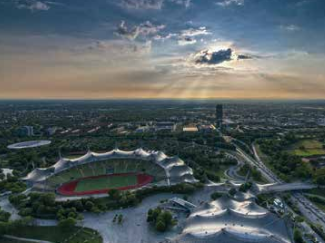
(219, 115)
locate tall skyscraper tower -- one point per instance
(219, 115)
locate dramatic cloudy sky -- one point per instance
(162, 49)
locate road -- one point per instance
(232, 171)
(309, 210)
(267, 173)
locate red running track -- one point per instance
(68, 189)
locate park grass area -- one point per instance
(266, 161)
(307, 147)
(222, 170)
(263, 157)
(320, 205)
(261, 180)
(319, 195)
(101, 183)
(57, 234)
(318, 200)
(317, 192)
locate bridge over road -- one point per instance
(283, 187)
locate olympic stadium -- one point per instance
(231, 221)
(96, 173)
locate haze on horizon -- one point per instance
(253, 49)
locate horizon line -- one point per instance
(158, 99)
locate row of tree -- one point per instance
(12, 184)
(43, 205)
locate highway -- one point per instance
(308, 209)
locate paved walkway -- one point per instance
(26, 239)
(5, 205)
(134, 227)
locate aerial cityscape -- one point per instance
(162, 171)
(162, 121)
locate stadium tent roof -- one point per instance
(241, 196)
(176, 170)
(247, 208)
(39, 174)
(227, 220)
(226, 236)
(172, 161)
(180, 170)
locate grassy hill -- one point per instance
(307, 147)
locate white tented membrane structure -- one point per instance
(230, 221)
(175, 168)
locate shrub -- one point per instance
(161, 219)
(215, 195)
(67, 223)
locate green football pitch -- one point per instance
(106, 182)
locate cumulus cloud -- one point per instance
(33, 5)
(226, 3)
(186, 41)
(185, 37)
(290, 28)
(215, 57)
(145, 29)
(195, 32)
(244, 56)
(148, 28)
(114, 50)
(164, 37)
(151, 4)
(142, 4)
(185, 3)
(123, 31)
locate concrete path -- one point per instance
(5, 205)
(26, 239)
(134, 227)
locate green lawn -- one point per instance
(261, 180)
(221, 171)
(321, 206)
(317, 191)
(263, 157)
(57, 234)
(307, 147)
(266, 161)
(102, 183)
(318, 200)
